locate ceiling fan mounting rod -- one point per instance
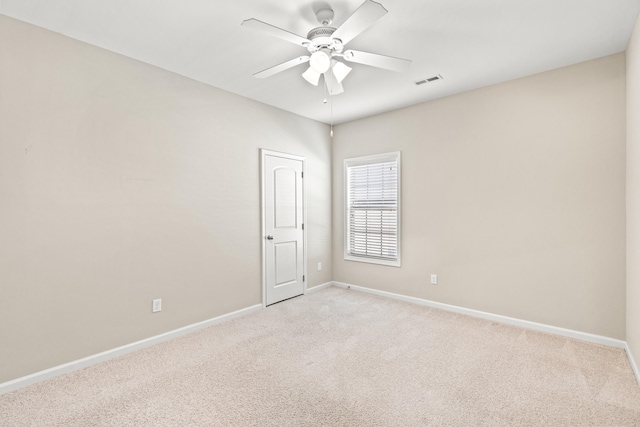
(324, 16)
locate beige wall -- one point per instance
(513, 194)
(120, 183)
(633, 193)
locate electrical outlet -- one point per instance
(319, 266)
(157, 305)
(434, 279)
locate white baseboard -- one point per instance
(319, 287)
(119, 351)
(584, 336)
(632, 362)
(12, 385)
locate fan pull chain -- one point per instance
(324, 86)
(331, 115)
(330, 107)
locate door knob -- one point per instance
(269, 237)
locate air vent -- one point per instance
(428, 80)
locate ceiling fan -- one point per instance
(325, 45)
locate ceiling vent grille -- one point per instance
(428, 80)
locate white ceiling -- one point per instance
(471, 43)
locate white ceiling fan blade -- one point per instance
(333, 86)
(254, 24)
(368, 13)
(375, 60)
(281, 67)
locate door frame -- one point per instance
(263, 154)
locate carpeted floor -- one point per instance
(342, 358)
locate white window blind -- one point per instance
(372, 209)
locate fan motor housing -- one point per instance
(321, 38)
(320, 32)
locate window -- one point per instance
(372, 209)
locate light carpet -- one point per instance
(342, 358)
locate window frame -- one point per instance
(368, 160)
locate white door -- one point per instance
(283, 230)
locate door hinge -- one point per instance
(302, 174)
(303, 278)
(303, 226)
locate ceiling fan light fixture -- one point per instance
(341, 71)
(312, 76)
(320, 61)
(325, 44)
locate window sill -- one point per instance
(390, 263)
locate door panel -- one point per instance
(283, 228)
(285, 208)
(286, 262)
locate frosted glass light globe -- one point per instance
(320, 61)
